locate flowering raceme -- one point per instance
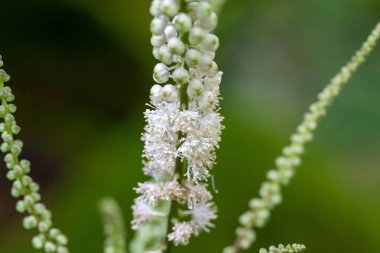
(182, 133)
(183, 126)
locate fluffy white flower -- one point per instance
(142, 213)
(202, 216)
(181, 234)
(149, 192)
(197, 194)
(172, 191)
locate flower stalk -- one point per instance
(113, 227)
(183, 127)
(270, 192)
(294, 248)
(38, 217)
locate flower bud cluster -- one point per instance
(294, 248)
(113, 227)
(183, 127)
(38, 216)
(270, 191)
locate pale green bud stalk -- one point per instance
(270, 192)
(294, 248)
(38, 216)
(114, 229)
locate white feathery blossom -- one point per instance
(181, 234)
(183, 125)
(143, 213)
(202, 216)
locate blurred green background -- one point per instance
(81, 71)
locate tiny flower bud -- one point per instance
(213, 71)
(157, 40)
(182, 22)
(203, 10)
(196, 35)
(156, 53)
(158, 25)
(50, 247)
(30, 222)
(205, 63)
(211, 42)
(61, 239)
(161, 73)
(210, 22)
(181, 75)
(193, 57)
(155, 9)
(4, 76)
(164, 55)
(207, 100)
(20, 206)
(195, 88)
(155, 91)
(61, 249)
(169, 93)
(170, 32)
(176, 46)
(169, 7)
(38, 242)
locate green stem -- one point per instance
(179, 170)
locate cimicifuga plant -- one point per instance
(183, 126)
(182, 133)
(37, 216)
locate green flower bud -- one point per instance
(176, 46)
(15, 129)
(169, 7)
(38, 242)
(211, 42)
(61, 239)
(30, 222)
(193, 57)
(43, 226)
(20, 206)
(158, 25)
(11, 175)
(155, 91)
(203, 10)
(17, 186)
(164, 55)
(205, 64)
(50, 247)
(62, 249)
(196, 35)
(157, 40)
(161, 73)
(214, 70)
(195, 88)
(207, 100)
(210, 22)
(4, 147)
(183, 23)
(169, 93)
(170, 32)
(155, 8)
(181, 75)
(4, 76)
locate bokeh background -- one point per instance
(81, 71)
